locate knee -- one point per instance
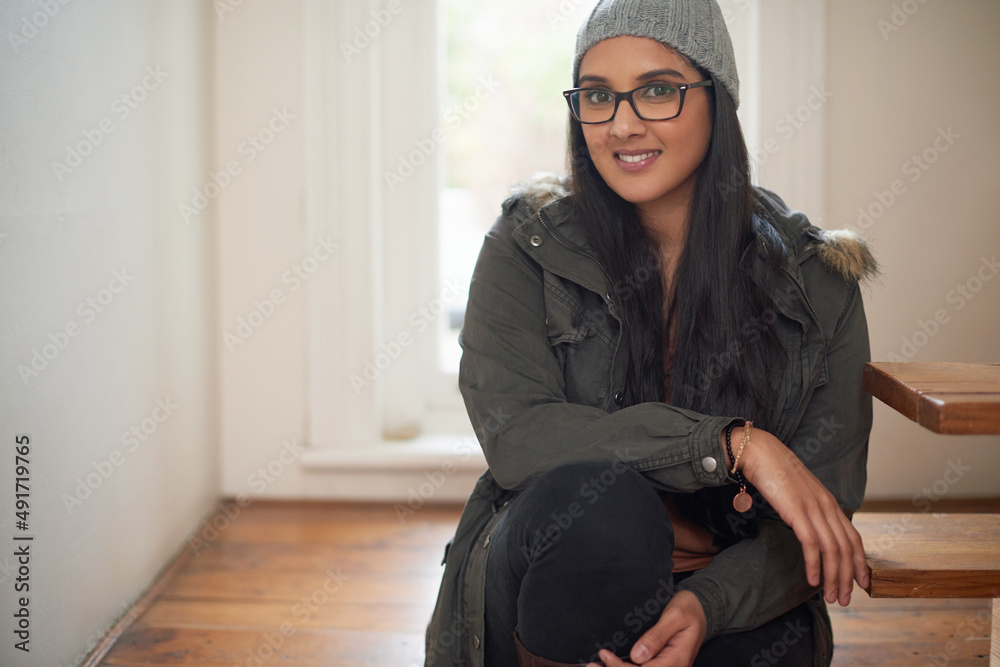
(598, 483)
(598, 498)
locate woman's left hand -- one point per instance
(673, 642)
(831, 546)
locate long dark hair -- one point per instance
(718, 318)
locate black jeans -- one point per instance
(582, 561)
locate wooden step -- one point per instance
(945, 397)
(932, 555)
(935, 556)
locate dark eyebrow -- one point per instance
(666, 71)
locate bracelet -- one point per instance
(747, 429)
(742, 502)
(729, 445)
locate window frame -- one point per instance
(387, 230)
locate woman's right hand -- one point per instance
(673, 642)
(833, 551)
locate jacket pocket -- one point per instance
(564, 320)
(581, 335)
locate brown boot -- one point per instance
(527, 659)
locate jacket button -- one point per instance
(619, 397)
(536, 240)
(709, 464)
(476, 642)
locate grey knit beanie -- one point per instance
(696, 28)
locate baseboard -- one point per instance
(145, 601)
(938, 506)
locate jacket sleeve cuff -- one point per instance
(712, 603)
(708, 454)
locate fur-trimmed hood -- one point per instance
(843, 251)
(847, 253)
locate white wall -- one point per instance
(61, 242)
(895, 94)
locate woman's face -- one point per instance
(671, 150)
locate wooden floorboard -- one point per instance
(346, 585)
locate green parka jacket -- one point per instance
(542, 373)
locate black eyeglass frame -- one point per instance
(682, 87)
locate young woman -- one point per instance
(663, 365)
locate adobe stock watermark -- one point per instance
(635, 620)
(958, 298)
(973, 626)
(592, 491)
(772, 655)
(293, 278)
(923, 502)
(248, 150)
(302, 611)
(88, 309)
(228, 511)
(740, 5)
(454, 633)
(131, 440)
(419, 321)
(121, 108)
(625, 289)
(785, 127)
(915, 167)
(720, 363)
(32, 23)
(453, 118)
(793, 121)
(900, 16)
(364, 35)
(564, 11)
(417, 497)
(805, 449)
(223, 7)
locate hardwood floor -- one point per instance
(352, 584)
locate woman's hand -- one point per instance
(832, 547)
(673, 642)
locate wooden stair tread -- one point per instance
(945, 397)
(932, 555)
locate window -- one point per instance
(482, 82)
(505, 66)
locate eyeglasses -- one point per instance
(657, 101)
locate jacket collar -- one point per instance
(550, 237)
(546, 231)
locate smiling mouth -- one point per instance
(637, 158)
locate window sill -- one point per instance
(457, 451)
(431, 468)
